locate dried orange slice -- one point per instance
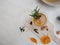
(33, 40)
(45, 39)
(40, 21)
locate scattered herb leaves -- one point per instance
(31, 23)
(47, 29)
(36, 30)
(22, 29)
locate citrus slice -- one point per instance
(45, 39)
(33, 40)
(40, 21)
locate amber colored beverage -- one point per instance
(52, 1)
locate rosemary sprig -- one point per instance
(36, 13)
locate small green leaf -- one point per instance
(36, 13)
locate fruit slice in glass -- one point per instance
(40, 21)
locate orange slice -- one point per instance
(33, 40)
(45, 39)
(41, 21)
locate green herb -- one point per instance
(36, 30)
(22, 29)
(31, 23)
(36, 13)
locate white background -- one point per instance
(11, 12)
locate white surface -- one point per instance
(11, 12)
